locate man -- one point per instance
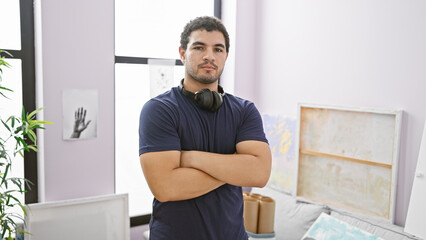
(198, 145)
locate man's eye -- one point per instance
(219, 50)
(198, 48)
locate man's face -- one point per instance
(205, 56)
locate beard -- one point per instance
(204, 78)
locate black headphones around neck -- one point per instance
(205, 98)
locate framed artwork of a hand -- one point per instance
(80, 114)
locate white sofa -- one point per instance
(294, 216)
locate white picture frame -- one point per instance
(348, 158)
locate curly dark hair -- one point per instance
(203, 23)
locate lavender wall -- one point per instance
(78, 53)
(77, 50)
(246, 65)
(353, 53)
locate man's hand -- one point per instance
(79, 124)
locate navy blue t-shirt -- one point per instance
(172, 121)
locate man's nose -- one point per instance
(209, 55)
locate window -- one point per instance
(17, 37)
(11, 34)
(12, 79)
(147, 39)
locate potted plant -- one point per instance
(21, 130)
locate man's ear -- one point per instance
(182, 54)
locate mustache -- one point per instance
(207, 63)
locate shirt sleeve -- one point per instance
(252, 125)
(157, 128)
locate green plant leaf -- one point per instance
(14, 198)
(23, 209)
(18, 141)
(38, 127)
(18, 183)
(22, 141)
(27, 127)
(4, 95)
(27, 233)
(5, 227)
(23, 114)
(13, 122)
(4, 51)
(43, 122)
(32, 147)
(20, 153)
(6, 89)
(8, 199)
(19, 129)
(3, 180)
(6, 126)
(11, 220)
(33, 113)
(9, 192)
(32, 136)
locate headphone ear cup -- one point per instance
(204, 99)
(217, 101)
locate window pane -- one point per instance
(132, 90)
(12, 79)
(10, 34)
(152, 29)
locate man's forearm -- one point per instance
(251, 168)
(169, 182)
(188, 183)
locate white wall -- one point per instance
(353, 53)
(77, 53)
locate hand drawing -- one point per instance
(79, 124)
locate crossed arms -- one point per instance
(176, 175)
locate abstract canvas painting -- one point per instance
(281, 134)
(327, 227)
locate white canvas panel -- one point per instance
(416, 209)
(360, 135)
(96, 218)
(348, 157)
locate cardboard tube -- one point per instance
(250, 214)
(256, 196)
(266, 215)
